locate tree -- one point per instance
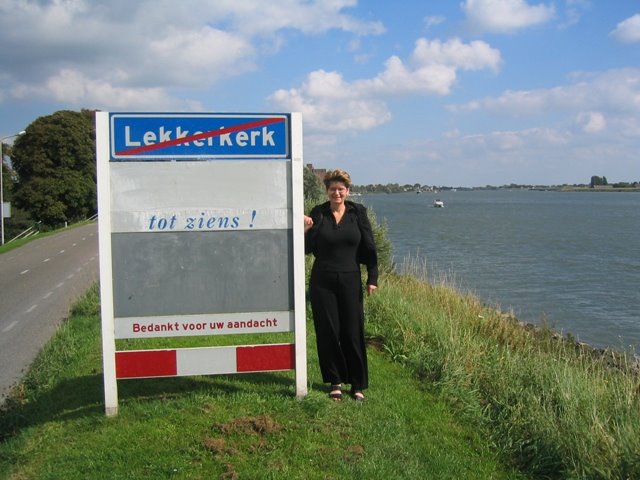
(19, 219)
(595, 181)
(56, 166)
(6, 172)
(313, 188)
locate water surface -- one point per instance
(571, 259)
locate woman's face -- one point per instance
(337, 193)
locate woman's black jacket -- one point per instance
(367, 254)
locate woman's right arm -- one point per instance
(308, 223)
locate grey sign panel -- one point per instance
(178, 273)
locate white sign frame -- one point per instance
(106, 225)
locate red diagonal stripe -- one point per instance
(200, 136)
(149, 363)
(265, 358)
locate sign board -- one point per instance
(189, 136)
(200, 219)
(6, 209)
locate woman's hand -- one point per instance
(308, 223)
(371, 289)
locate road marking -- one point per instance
(46, 260)
(61, 251)
(74, 245)
(59, 285)
(31, 308)
(24, 271)
(70, 276)
(9, 327)
(47, 295)
(79, 269)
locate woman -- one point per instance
(339, 235)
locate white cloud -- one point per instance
(206, 55)
(321, 84)
(501, 142)
(398, 78)
(628, 31)
(154, 45)
(591, 122)
(476, 55)
(504, 16)
(432, 20)
(72, 87)
(574, 11)
(331, 103)
(253, 17)
(614, 91)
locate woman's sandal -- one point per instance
(336, 393)
(357, 395)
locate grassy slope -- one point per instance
(242, 426)
(557, 409)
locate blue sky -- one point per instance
(458, 93)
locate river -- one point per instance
(570, 259)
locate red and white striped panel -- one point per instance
(204, 361)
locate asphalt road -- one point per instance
(38, 284)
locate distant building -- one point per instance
(320, 172)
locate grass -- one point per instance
(557, 409)
(459, 390)
(21, 241)
(236, 426)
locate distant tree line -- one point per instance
(393, 188)
(397, 188)
(626, 185)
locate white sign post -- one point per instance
(201, 233)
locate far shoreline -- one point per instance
(357, 190)
(599, 190)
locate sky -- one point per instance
(441, 92)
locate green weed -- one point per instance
(556, 409)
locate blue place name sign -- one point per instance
(180, 136)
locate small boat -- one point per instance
(438, 203)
